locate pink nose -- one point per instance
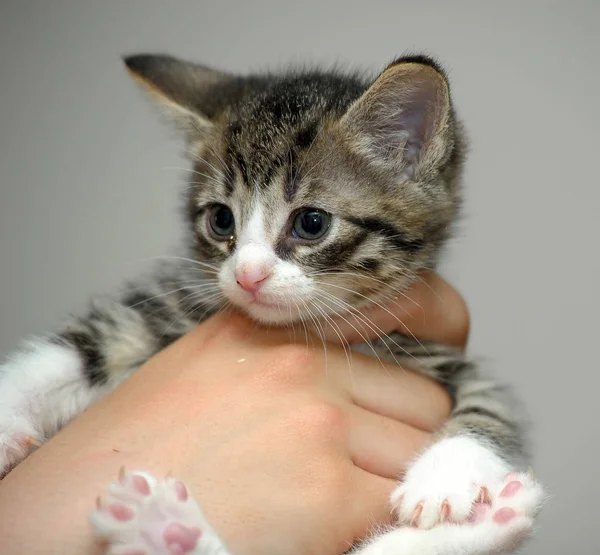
(251, 278)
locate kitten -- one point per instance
(312, 193)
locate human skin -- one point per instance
(286, 447)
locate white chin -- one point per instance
(271, 314)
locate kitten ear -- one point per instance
(402, 120)
(181, 89)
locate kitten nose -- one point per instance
(250, 278)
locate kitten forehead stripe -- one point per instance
(229, 174)
(303, 141)
(292, 181)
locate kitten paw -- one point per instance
(498, 529)
(458, 480)
(145, 516)
(16, 442)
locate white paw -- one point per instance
(145, 516)
(17, 439)
(448, 481)
(498, 528)
(500, 525)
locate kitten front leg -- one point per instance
(470, 456)
(142, 515)
(479, 445)
(52, 380)
(41, 388)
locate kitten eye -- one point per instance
(221, 222)
(311, 224)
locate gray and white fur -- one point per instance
(312, 193)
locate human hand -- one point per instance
(319, 443)
(286, 448)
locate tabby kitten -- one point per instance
(312, 193)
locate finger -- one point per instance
(383, 446)
(388, 390)
(431, 310)
(369, 503)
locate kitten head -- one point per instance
(313, 192)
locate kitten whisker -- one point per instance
(211, 149)
(299, 311)
(204, 300)
(320, 331)
(191, 170)
(191, 282)
(406, 328)
(298, 172)
(190, 260)
(356, 314)
(317, 164)
(364, 338)
(199, 158)
(338, 331)
(355, 274)
(167, 293)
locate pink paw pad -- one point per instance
(181, 539)
(140, 484)
(511, 489)
(504, 515)
(181, 490)
(120, 511)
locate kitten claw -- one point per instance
(484, 496)
(396, 501)
(417, 516)
(32, 442)
(445, 512)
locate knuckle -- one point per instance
(324, 419)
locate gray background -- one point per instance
(89, 190)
